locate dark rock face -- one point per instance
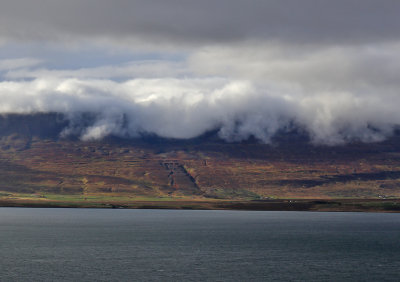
(42, 125)
(53, 125)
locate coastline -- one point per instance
(331, 205)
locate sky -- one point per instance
(180, 68)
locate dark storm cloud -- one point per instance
(310, 21)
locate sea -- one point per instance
(185, 245)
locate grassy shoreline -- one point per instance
(331, 205)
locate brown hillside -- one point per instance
(165, 169)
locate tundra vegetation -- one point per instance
(198, 173)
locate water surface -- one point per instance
(170, 245)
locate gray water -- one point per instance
(166, 245)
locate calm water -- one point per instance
(166, 245)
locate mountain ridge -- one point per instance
(36, 161)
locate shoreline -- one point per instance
(331, 205)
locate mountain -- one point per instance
(36, 162)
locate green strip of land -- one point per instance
(79, 201)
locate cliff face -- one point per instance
(42, 125)
(56, 125)
(34, 160)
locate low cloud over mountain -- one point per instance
(180, 68)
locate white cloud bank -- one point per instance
(335, 94)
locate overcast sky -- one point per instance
(178, 68)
